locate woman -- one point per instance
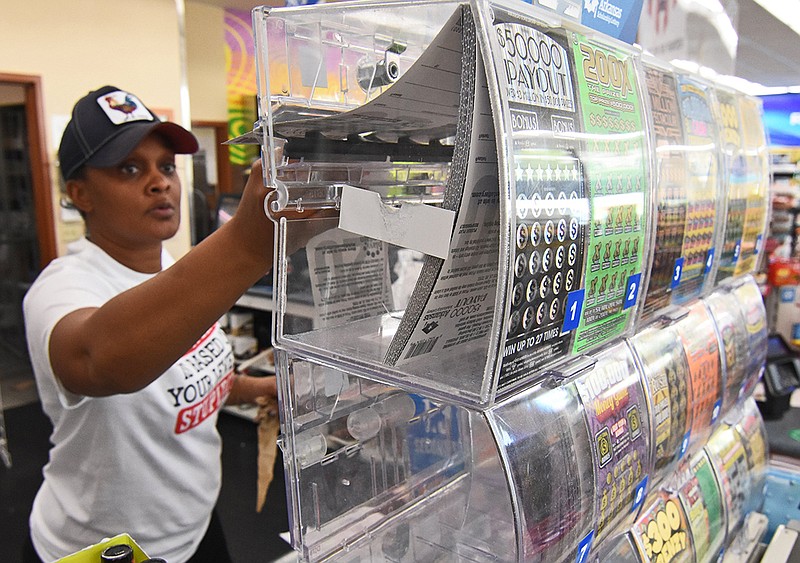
(130, 362)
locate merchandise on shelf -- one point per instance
(746, 293)
(703, 187)
(662, 531)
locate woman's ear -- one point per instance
(78, 194)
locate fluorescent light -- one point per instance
(714, 13)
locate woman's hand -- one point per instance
(248, 388)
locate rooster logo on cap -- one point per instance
(127, 107)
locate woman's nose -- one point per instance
(158, 182)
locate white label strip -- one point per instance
(412, 225)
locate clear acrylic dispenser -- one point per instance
(489, 169)
(465, 199)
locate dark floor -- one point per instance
(252, 537)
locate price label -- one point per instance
(737, 250)
(574, 309)
(638, 497)
(677, 271)
(685, 443)
(584, 547)
(709, 260)
(716, 411)
(632, 291)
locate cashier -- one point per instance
(130, 363)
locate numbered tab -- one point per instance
(676, 273)
(685, 443)
(716, 411)
(632, 291)
(709, 260)
(737, 250)
(638, 497)
(757, 248)
(574, 309)
(584, 547)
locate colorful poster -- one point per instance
(730, 132)
(700, 137)
(757, 184)
(240, 83)
(662, 532)
(615, 160)
(616, 414)
(733, 335)
(666, 375)
(535, 69)
(702, 500)
(696, 332)
(670, 180)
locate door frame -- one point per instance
(40, 169)
(224, 183)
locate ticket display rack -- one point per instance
(701, 508)
(556, 472)
(527, 317)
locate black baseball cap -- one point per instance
(107, 124)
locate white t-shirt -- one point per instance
(145, 463)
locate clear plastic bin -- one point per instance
(493, 217)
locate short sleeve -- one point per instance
(54, 295)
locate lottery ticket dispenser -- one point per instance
(510, 168)
(375, 472)
(482, 400)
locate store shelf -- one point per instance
(784, 169)
(261, 299)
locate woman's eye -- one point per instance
(169, 168)
(129, 169)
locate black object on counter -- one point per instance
(120, 553)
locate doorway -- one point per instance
(212, 175)
(27, 237)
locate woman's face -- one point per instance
(135, 203)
